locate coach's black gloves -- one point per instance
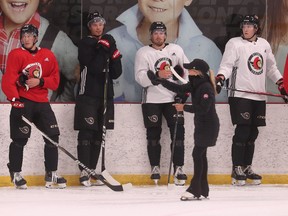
(219, 79)
(179, 70)
(282, 89)
(153, 78)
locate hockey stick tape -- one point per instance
(178, 76)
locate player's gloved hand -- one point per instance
(219, 79)
(282, 89)
(153, 78)
(179, 71)
(22, 81)
(16, 103)
(107, 42)
(116, 55)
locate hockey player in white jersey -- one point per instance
(247, 62)
(157, 100)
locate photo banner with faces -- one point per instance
(217, 19)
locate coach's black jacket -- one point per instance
(203, 105)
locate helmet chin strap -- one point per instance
(30, 50)
(248, 38)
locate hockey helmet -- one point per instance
(29, 28)
(157, 26)
(250, 19)
(95, 17)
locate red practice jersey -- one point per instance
(41, 64)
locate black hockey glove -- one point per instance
(219, 79)
(179, 71)
(153, 78)
(282, 89)
(22, 81)
(108, 43)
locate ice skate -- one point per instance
(238, 176)
(54, 181)
(187, 196)
(18, 180)
(94, 181)
(155, 174)
(179, 176)
(256, 179)
(85, 179)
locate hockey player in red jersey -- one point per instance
(30, 72)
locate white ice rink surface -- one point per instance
(263, 200)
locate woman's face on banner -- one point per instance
(18, 12)
(165, 11)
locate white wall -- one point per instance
(126, 144)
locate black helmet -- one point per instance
(95, 17)
(29, 28)
(250, 19)
(160, 26)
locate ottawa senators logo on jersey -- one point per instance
(163, 64)
(255, 63)
(33, 70)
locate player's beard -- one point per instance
(158, 42)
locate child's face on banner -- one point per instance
(18, 12)
(165, 11)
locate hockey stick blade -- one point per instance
(178, 76)
(117, 187)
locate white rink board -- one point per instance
(126, 145)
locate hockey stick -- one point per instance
(285, 97)
(112, 186)
(178, 76)
(104, 131)
(178, 100)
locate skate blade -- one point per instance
(97, 183)
(254, 182)
(236, 182)
(50, 185)
(86, 183)
(189, 197)
(21, 187)
(156, 181)
(178, 182)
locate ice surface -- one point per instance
(224, 200)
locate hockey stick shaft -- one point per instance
(103, 141)
(173, 147)
(104, 129)
(258, 93)
(91, 172)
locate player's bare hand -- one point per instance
(165, 74)
(179, 107)
(32, 82)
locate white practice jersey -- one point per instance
(148, 58)
(248, 64)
